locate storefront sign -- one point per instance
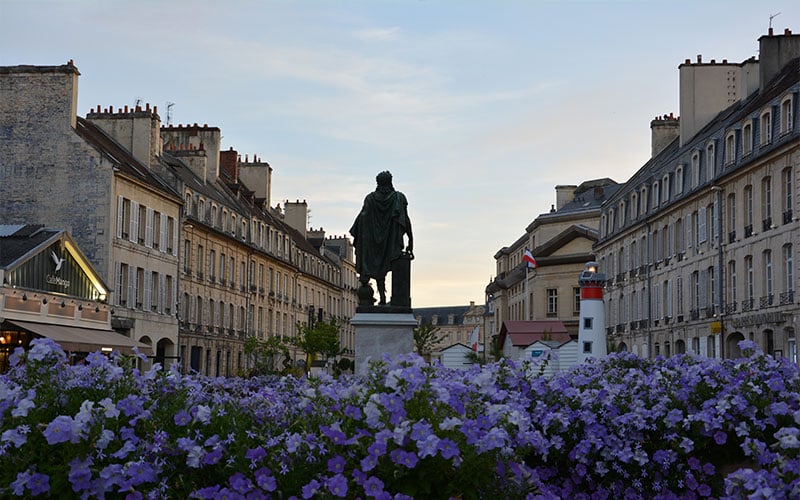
(758, 319)
(57, 281)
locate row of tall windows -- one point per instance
(144, 289)
(763, 286)
(144, 225)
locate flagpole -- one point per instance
(527, 295)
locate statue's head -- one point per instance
(384, 179)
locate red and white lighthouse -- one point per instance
(592, 327)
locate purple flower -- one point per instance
(448, 448)
(240, 483)
(38, 484)
(182, 418)
(59, 430)
(213, 456)
(310, 489)
(141, 472)
(265, 480)
(373, 486)
(337, 485)
(407, 459)
(336, 464)
(79, 474)
(704, 490)
(720, 437)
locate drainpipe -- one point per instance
(649, 292)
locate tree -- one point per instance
(264, 355)
(426, 339)
(322, 338)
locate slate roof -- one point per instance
(443, 313)
(17, 241)
(666, 161)
(120, 156)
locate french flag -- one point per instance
(528, 259)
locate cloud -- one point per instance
(377, 34)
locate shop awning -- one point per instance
(75, 339)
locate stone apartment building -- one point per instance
(561, 242)
(455, 324)
(700, 243)
(89, 178)
(198, 259)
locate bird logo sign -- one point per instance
(59, 261)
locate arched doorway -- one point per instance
(680, 346)
(165, 348)
(732, 345)
(622, 347)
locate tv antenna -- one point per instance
(169, 113)
(773, 16)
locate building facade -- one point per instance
(196, 258)
(64, 171)
(561, 243)
(700, 244)
(455, 325)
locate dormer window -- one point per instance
(747, 138)
(622, 214)
(679, 179)
(695, 169)
(730, 147)
(634, 206)
(665, 189)
(643, 199)
(766, 127)
(787, 117)
(710, 161)
(655, 195)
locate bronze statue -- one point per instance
(378, 239)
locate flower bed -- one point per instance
(622, 426)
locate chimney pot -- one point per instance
(724, 61)
(699, 58)
(787, 31)
(147, 106)
(770, 32)
(126, 108)
(155, 110)
(687, 61)
(713, 61)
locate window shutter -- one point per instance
(175, 237)
(669, 298)
(703, 289)
(689, 242)
(131, 287)
(120, 215)
(134, 233)
(162, 238)
(118, 281)
(162, 292)
(148, 233)
(148, 291)
(701, 225)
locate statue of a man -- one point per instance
(378, 233)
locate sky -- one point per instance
(478, 108)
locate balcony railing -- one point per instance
(747, 305)
(765, 301)
(642, 324)
(694, 314)
(666, 261)
(620, 328)
(679, 319)
(731, 236)
(710, 311)
(787, 298)
(610, 330)
(766, 224)
(632, 273)
(787, 216)
(748, 230)
(634, 325)
(730, 308)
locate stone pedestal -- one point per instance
(379, 333)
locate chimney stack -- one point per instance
(564, 195)
(663, 130)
